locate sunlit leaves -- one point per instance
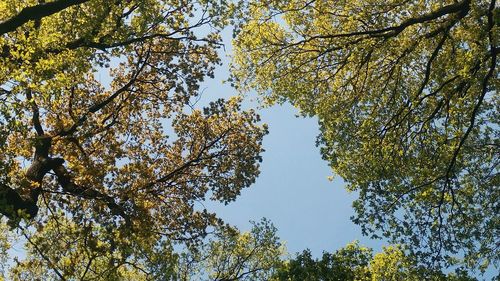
(91, 252)
(358, 263)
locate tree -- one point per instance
(406, 97)
(87, 253)
(348, 263)
(125, 158)
(355, 262)
(65, 250)
(393, 264)
(232, 255)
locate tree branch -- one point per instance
(65, 181)
(100, 105)
(36, 12)
(460, 7)
(42, 254)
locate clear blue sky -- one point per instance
(293, 189)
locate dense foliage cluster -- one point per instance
(357, 263)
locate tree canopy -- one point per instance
(406, 97)
(98, 132)
(107, 159)
(358, 263)
(71, 252)
(67, 251)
